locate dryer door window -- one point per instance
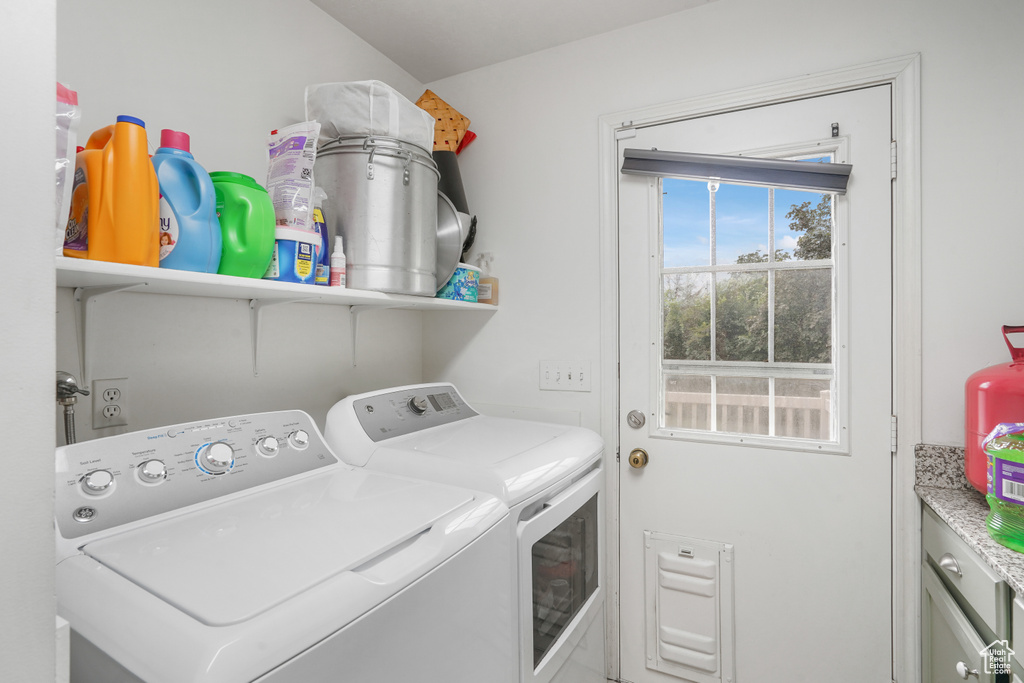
(565, 563)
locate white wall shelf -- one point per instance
(91, 279)
(84, 273)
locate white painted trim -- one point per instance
(877, 73)
(609, 373)
(903, 73)
(907, 286)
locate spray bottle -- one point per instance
(338, 263)
(487, 289)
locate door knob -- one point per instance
(638, 458)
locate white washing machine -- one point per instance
(241, 549)
(550, 476)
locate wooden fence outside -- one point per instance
(806, 417)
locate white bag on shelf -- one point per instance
(367, 108)
(68, 118)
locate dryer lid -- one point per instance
(232, 561)
(513, 460)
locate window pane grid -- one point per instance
(723, 374)
(771, 291)
(747, 267)
(788, 370)
(770, 410)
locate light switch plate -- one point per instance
(565, 375)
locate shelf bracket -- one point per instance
(256, 307)
(354, 312)
(84, 297)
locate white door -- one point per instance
(755, 338)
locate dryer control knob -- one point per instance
(418, 404)
(267, 446)
(299, 438)
(97, 482)
(217, 457)
(152, 471)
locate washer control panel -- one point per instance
(404, 411)
(116, 480)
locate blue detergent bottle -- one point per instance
(323, 263)
(190, 237)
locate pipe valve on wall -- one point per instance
(67, 387)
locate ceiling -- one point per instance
(434, 39)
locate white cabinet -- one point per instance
(965, 610)
(950, 647)
(1017, 624)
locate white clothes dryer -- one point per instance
(551, 478)
(241, 549)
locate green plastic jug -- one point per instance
(246, 217)
(1004, 447)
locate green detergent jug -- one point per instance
(246, 217)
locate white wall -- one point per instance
(222, 72)
(191, 358)
(532, 175)
(226, 72)
(27, 342)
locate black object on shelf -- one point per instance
(450, 182)
(470, 238)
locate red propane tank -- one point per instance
(993, 395)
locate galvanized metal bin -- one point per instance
(382, 198)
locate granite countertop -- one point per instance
(941, 484)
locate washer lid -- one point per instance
(232, 561)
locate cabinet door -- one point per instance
(1017, 624)
(948, 641)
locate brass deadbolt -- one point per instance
(638, 458)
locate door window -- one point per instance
(748, 309)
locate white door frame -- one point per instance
(903, 74)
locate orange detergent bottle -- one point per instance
(115, 198)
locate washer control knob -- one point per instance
(217, 457)
(152, 471)
(97, 482)
(418, 404)
(299, 439)
(267, 446)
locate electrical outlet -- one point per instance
(109, 403)
(565, 375)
